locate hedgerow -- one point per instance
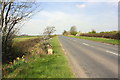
(111, 35)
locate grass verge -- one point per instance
(45, 66)
(104, 40)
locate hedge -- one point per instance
(103, 35)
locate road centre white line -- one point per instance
(86, 44)
(103, 50)
(112, 53)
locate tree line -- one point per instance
(93, 33)
(72, 31)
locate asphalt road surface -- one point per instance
(90, 59)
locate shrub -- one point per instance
(73, 33)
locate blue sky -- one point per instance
(100, 16)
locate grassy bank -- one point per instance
(104, 40)
(44, 66)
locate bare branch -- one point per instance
(49, 30)
(12, 13)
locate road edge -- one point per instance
(73, 65)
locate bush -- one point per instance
(73, 33)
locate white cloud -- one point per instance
(63, 21)
(60, 20)
(80, 5)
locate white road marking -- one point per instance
(100, 48)
(86, 44)
(112, 53)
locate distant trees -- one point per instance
(65, 32)
(11, 14)
(93, 31)
(73, 30)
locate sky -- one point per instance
(100, 16)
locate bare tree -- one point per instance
(12, 13)
(48, 31)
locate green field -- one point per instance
(104, 40)
(23, 38)
(44, 66)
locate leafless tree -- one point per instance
(48, 31)
(12, 13)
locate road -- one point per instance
(90, 59)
